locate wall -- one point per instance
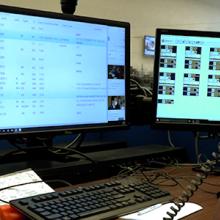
(144, 15)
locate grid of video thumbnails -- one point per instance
(213, 89)
(191, 81)
(167, 79)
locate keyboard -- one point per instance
(106, 200)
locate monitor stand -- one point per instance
(26, 149)
(33, 153)
(32, 148)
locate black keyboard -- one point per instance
(100, 201)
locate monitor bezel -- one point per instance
(179, 124)
(54, 130)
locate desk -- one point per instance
(202, 196)
(207, 200)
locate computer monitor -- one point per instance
(149, 45)
(187, 80)
(61, 72)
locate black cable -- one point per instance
(68, 150)
(38, 181)
(20, 143)
(211, 184)
(190, 190)
(180, 201)
(162, 177)
(170, 139)
(165, 179)
(187, 193)
(1, 200)
(209, 192)
(75, 143)
(20, 184)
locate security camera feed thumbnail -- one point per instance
(116, 72)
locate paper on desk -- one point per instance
(159, 211)
(20, 177)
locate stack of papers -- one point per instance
(32, 185)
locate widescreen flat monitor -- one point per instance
(149, 45)
(61, 72)
(187, 79)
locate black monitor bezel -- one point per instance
(54, 130)
(202, 125)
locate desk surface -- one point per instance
(204, 196)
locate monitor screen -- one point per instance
(61, 72)
(187, 79)
(149, 45)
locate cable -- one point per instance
(197, 146)
(57, 181)
(209, 192)
(212, 184)
(75, 143)
(170, 140)
(197, 138)
(154, 177)
(74, 151)
(20, 184)
(1, 200)
(191, 189)
(20, 144)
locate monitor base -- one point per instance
(60, 154)
(34, 153)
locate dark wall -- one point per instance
(144, 135)
(140, 135)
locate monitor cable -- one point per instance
(71, 148)
(170, 139)
(68, 152)
(178, 203)
(74, 144)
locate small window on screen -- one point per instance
(149, 45)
